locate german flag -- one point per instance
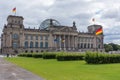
(99, 31)
(14, 9)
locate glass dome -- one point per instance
(46, 23)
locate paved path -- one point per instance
(9, 71)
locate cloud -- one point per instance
(111, 13)
(66, 11)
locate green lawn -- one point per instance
(68, 70)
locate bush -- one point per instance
(49, 55)
(37, 55)
(101, 58)
(21, 55)
(69, 56)
(28, 55)
(25, 55)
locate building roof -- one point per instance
(14, 16)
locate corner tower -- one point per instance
(13, 34)
(15, 21)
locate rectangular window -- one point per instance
(15, 45)
(81, 39)
(81, 45)
(15, 36)
(19, 22)
(26, 37)
(91, 45)
(85, 39)
(84, 45)
(46, 37)
(88, 45)
(36, 37)
(78, 39)
(31, 37)
(41, 37)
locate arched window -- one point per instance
(41, 44)
(36, 44)
(31, 44)
(98, 40)
(15, 36)
(46, 44)
(26, 44)
(15, 45)
(99, 46)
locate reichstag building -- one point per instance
(50, 36)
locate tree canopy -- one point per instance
(111, 47)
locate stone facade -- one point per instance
(16, 38)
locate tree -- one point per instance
(108, 47)
(115, 46)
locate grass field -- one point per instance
(68, 70)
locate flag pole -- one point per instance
(15, 13)
(96, 40)
(96, 43)
(93, 20)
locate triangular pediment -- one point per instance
(66, 29)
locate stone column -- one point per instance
(90, 45)
(71, 42)
(55, 42)
(60, 41)
(20, 40)
(73, 38)
(29, 43)
(4, 40)
(10, 40)
(23, 39)
(50, 41)
(76, 42)
(64, 43)
(68, 42)
(83, 45)
(7, 40)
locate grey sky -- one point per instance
(105, 12)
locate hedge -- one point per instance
(25, 55)
(101, 58)
(49, 55)
(37, 55)
(69, 56)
